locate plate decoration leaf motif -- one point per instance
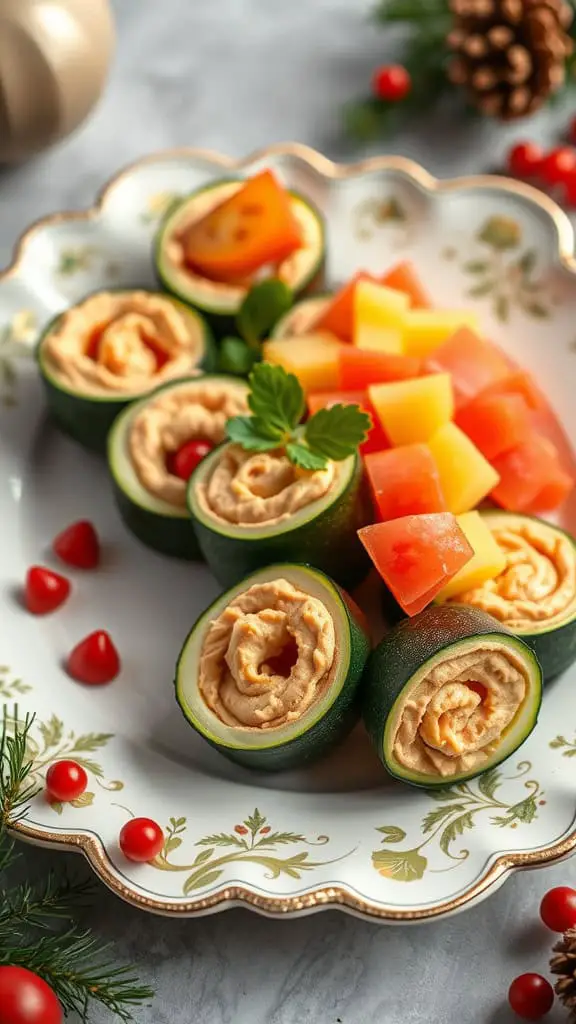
(11, 687)
(455, 814)
(157, 206)
(568, 747)
(375, 213)
(50, 741)
(504, 272)
(81, 259)
(252, 841)
(16, 337)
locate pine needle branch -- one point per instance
(15, 767)
(40, 906)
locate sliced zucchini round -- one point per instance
(334, 708)
(157, 523)
(221, 301)
(301, 318)
(87, 418)
(449, 694)
(323, 533)
(535, 596)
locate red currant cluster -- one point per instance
(554, 169)
(530, 995)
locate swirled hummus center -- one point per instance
(125, 342)
(538, 584)
(457, 714)
(250, 488)
(248, 675)
(191, 411)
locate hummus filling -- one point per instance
(268, 657)
(455, 717)
(290, 270)
(122, 342)
(249, 489)
(538, 585)
(192, 411)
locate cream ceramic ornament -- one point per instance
(54, 56)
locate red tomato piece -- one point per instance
(376, 440)
(472, 362)
(252, 228)
(519, 383)
(183, 462)
(405, 481)
(361, 367)
(141, 839)
(417, 555)
(44, 590)
(65, 781)
(403, 278)
(94, 660)
(531, 476)
(78, 545)
(338, 317)
(495, 423)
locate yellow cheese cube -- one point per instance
(466, 476)
(426, 329)
(487, 562)
(313, 358)
(379, 317)
(413, 410)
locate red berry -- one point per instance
(241, 830)
(78, 545)
(141, 839)
(94, 660)
(27, 999)
(44, 590)
(558, 909)
(524, 159)
(569, 186)
(65, 780)
(531, 996)
(558, 164)
(391, 82)
(183, 462)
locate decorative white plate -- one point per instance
(341, 834)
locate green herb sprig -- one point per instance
(277, 404)
(263, 306)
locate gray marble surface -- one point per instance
(234, 75)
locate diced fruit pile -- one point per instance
(455, 422)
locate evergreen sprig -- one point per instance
(37, 928)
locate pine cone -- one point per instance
(563, 963)
(509, 54)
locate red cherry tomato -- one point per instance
(44, 590)
(141, 839)
(78, 545)
(94, 660)
(558, 164)
(65, 780)
(558, 908)
(27, 999)
(524, 159)
(391, 83)
(183, 462)
(531, 996)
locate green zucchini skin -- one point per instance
(88, 420)
(405, 650)
(221, 320)
(339, 719)
(329, 541)
(167, 535)
(308, 308)
(555, 648)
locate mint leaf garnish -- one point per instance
(263, 306)
(302, 456)
(248, 433)
(236, 357)
(336, 432)
(276, 396)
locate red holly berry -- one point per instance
(65, 781)
(27, 999)
(524, 159)
(531, 996)
(391, 83)
(78, 545)
(558, 164)
(44, 590)
(94, 660)
(183, 462)
(141, 839)
(558, 908)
